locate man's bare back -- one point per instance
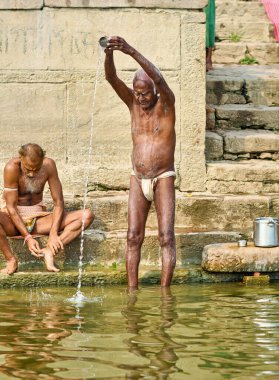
(151, 105)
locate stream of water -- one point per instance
(79, 296)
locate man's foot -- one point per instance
(49, 260)
(11, 266)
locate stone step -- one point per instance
(235, 30)
(264, 53)
(108, 248)
(113, 276)
(249, 141)
(195, 212)
(241, 84)
(247, 10)
(241, 144)
(228, 257)
(230, 116)
(247, 177)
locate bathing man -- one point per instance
(151, 105)
(23, 212)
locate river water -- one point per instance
(215, 331)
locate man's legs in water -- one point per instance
(138, 208)
(164, 199)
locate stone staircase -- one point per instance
(242, 138)
(242, 141)
(243, 30)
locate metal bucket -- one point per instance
(266, 232)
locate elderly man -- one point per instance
(151, 105)
(23, 212)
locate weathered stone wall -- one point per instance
(49, 57)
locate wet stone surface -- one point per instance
(229, 257)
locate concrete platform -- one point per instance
(229, 257)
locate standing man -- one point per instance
(151, 105)
(24, 213)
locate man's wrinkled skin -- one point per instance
(151, 105)
(29, 173)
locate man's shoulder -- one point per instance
(49, 166)
(13, 164)
(49, 163)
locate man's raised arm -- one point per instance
(124, 92)
(166, 94)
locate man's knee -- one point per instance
(2, 231)
(88, 217)
(167, 239)
(135, 238)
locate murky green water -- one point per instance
(224, 331)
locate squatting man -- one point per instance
(24, 213)
(152, 110)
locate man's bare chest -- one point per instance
(31, 185)
(151, 125)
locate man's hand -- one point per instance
(118, 43)
(55, 243)
(34, 247)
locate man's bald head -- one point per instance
(33, 151)
(141, 75)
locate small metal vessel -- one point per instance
(242, 243)
(103, 41)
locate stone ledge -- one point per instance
(100, 276)
(178, 4)
(247, 31)
(250, 141)
(229, 116)
(194, 211)
(115, 276)
(21, 4)
(245, 171)
(108, 248)
(228, 257)
(266, 53)
(250, 11)
(229, 84)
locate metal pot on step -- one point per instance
(266, 232)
